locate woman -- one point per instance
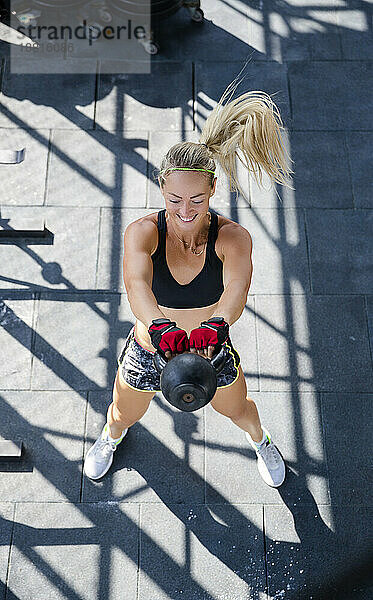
(187, 273)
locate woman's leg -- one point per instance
(232, 401)
(127, 407)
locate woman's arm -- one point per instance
(237, 272)
(138, 271)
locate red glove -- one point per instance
(166, 336)
(213, 332)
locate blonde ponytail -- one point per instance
(251, 124)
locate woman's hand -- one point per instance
(212, 333)
(167, 338)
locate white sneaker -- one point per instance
(270, 462)
(100, 457)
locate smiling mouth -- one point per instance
(186, 220)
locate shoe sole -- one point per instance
(279, 484)
(102, 474)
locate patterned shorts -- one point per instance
(139, 373)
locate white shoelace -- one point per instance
(269, 454)
(105, 447)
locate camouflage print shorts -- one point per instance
(138, 371)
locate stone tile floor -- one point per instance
(183, 512)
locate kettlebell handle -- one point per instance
(218, 361)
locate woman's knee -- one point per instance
(129, 405)
(231, 410)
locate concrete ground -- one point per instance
(183, 512)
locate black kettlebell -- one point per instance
(189, 381)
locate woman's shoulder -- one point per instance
(228, 232)
(147, 227)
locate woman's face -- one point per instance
(187, 196)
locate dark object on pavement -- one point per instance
(160, 10)
(10, 450)
(189, 381)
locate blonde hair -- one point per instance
(252, 124)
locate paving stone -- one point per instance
(6, 526)
(24, 183)
(212, 79)
(360, 156)
(51, 427)
(340, 248)
(61, 101)
(71, 341)
(295, 424)
(110, 258)
(161, 142)
(317, 551)
(143, 101)
(4, 51)
(98, 168)
(74, 551)
(224, 26)
(313, 343)
(244, 340)
(279, 252)
(294, 31)
(29, 222)
(16, 323)
(321, 179)
(172, 438)
(43, 265)
(260, 43)
(215, 552)
(326, 110)
(354, 24)
(349, 467)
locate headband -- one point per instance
(187, 169)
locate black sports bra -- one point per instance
(205, 289)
